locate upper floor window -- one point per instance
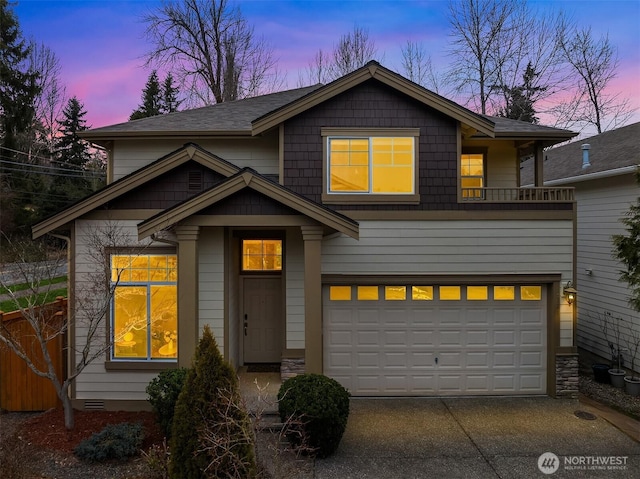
(370, 166)
(472, 175)
(144, 316)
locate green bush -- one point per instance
(116, 441)
(211, 434)
(163, 394)
(320, 406)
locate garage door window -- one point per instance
(340, 293)
(531, 293)
(477, 293)
(395, 293)
(422, 293)
(367, 293)
(450, 293)
(504, 293)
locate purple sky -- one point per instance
(100, 43)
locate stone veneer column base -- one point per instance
(567, 375)
(290, 367)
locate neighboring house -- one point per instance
(603, 171)
(368, 227)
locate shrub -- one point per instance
(163, 394)
(116, 441)
(322, 406)
(203, 412)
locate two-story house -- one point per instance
(369, 227)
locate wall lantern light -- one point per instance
(570, 292)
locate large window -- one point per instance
(144, 320)
(472, 175)
(379, 165)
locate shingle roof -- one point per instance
(233, 116)
(608, 151)
(506, 126)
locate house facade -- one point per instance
(603, 171)
(369, 228)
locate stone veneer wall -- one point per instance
(290, 367)
(567, 375)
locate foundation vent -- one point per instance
(94, 405)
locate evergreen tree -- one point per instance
(71, 153)
(201, 406)
(626, 249)
(170, 94)
(19, 87)
(151, 99)
(157, 99)
(520, 99)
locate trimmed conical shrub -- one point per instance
(211, 433)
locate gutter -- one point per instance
(593, 176)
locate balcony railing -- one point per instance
(518, 195)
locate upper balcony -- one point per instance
(518, 195)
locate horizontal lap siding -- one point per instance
(294, 268)
(211, 281)
(601, 205)
(459, 247)
(95, 382)
(261, 154)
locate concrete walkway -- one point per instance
(469, 438)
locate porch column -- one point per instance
(538, 164)
(187, 293)
(312, 236)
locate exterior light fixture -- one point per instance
(570, 292)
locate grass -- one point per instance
(40, 298)
(24, 286)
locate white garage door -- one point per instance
(436, 340)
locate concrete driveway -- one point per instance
(477, 438)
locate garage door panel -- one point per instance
(478, 359)
(504, 359)
(504, 316)
(421, 339)
(504, 338)
(450, 338)
(477, 338)
(421, 317)
(368, 338)
(422, 359)
(531, 338)
(531, 359)
(429, 346)
(532, 317)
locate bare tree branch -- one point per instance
(211, 50)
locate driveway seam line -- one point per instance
(486, 459)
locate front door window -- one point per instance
(261, 255)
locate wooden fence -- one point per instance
(20, 388)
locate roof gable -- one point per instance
(189, 152)
(248, 178)
(472, 121)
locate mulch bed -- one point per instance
(47, 429)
